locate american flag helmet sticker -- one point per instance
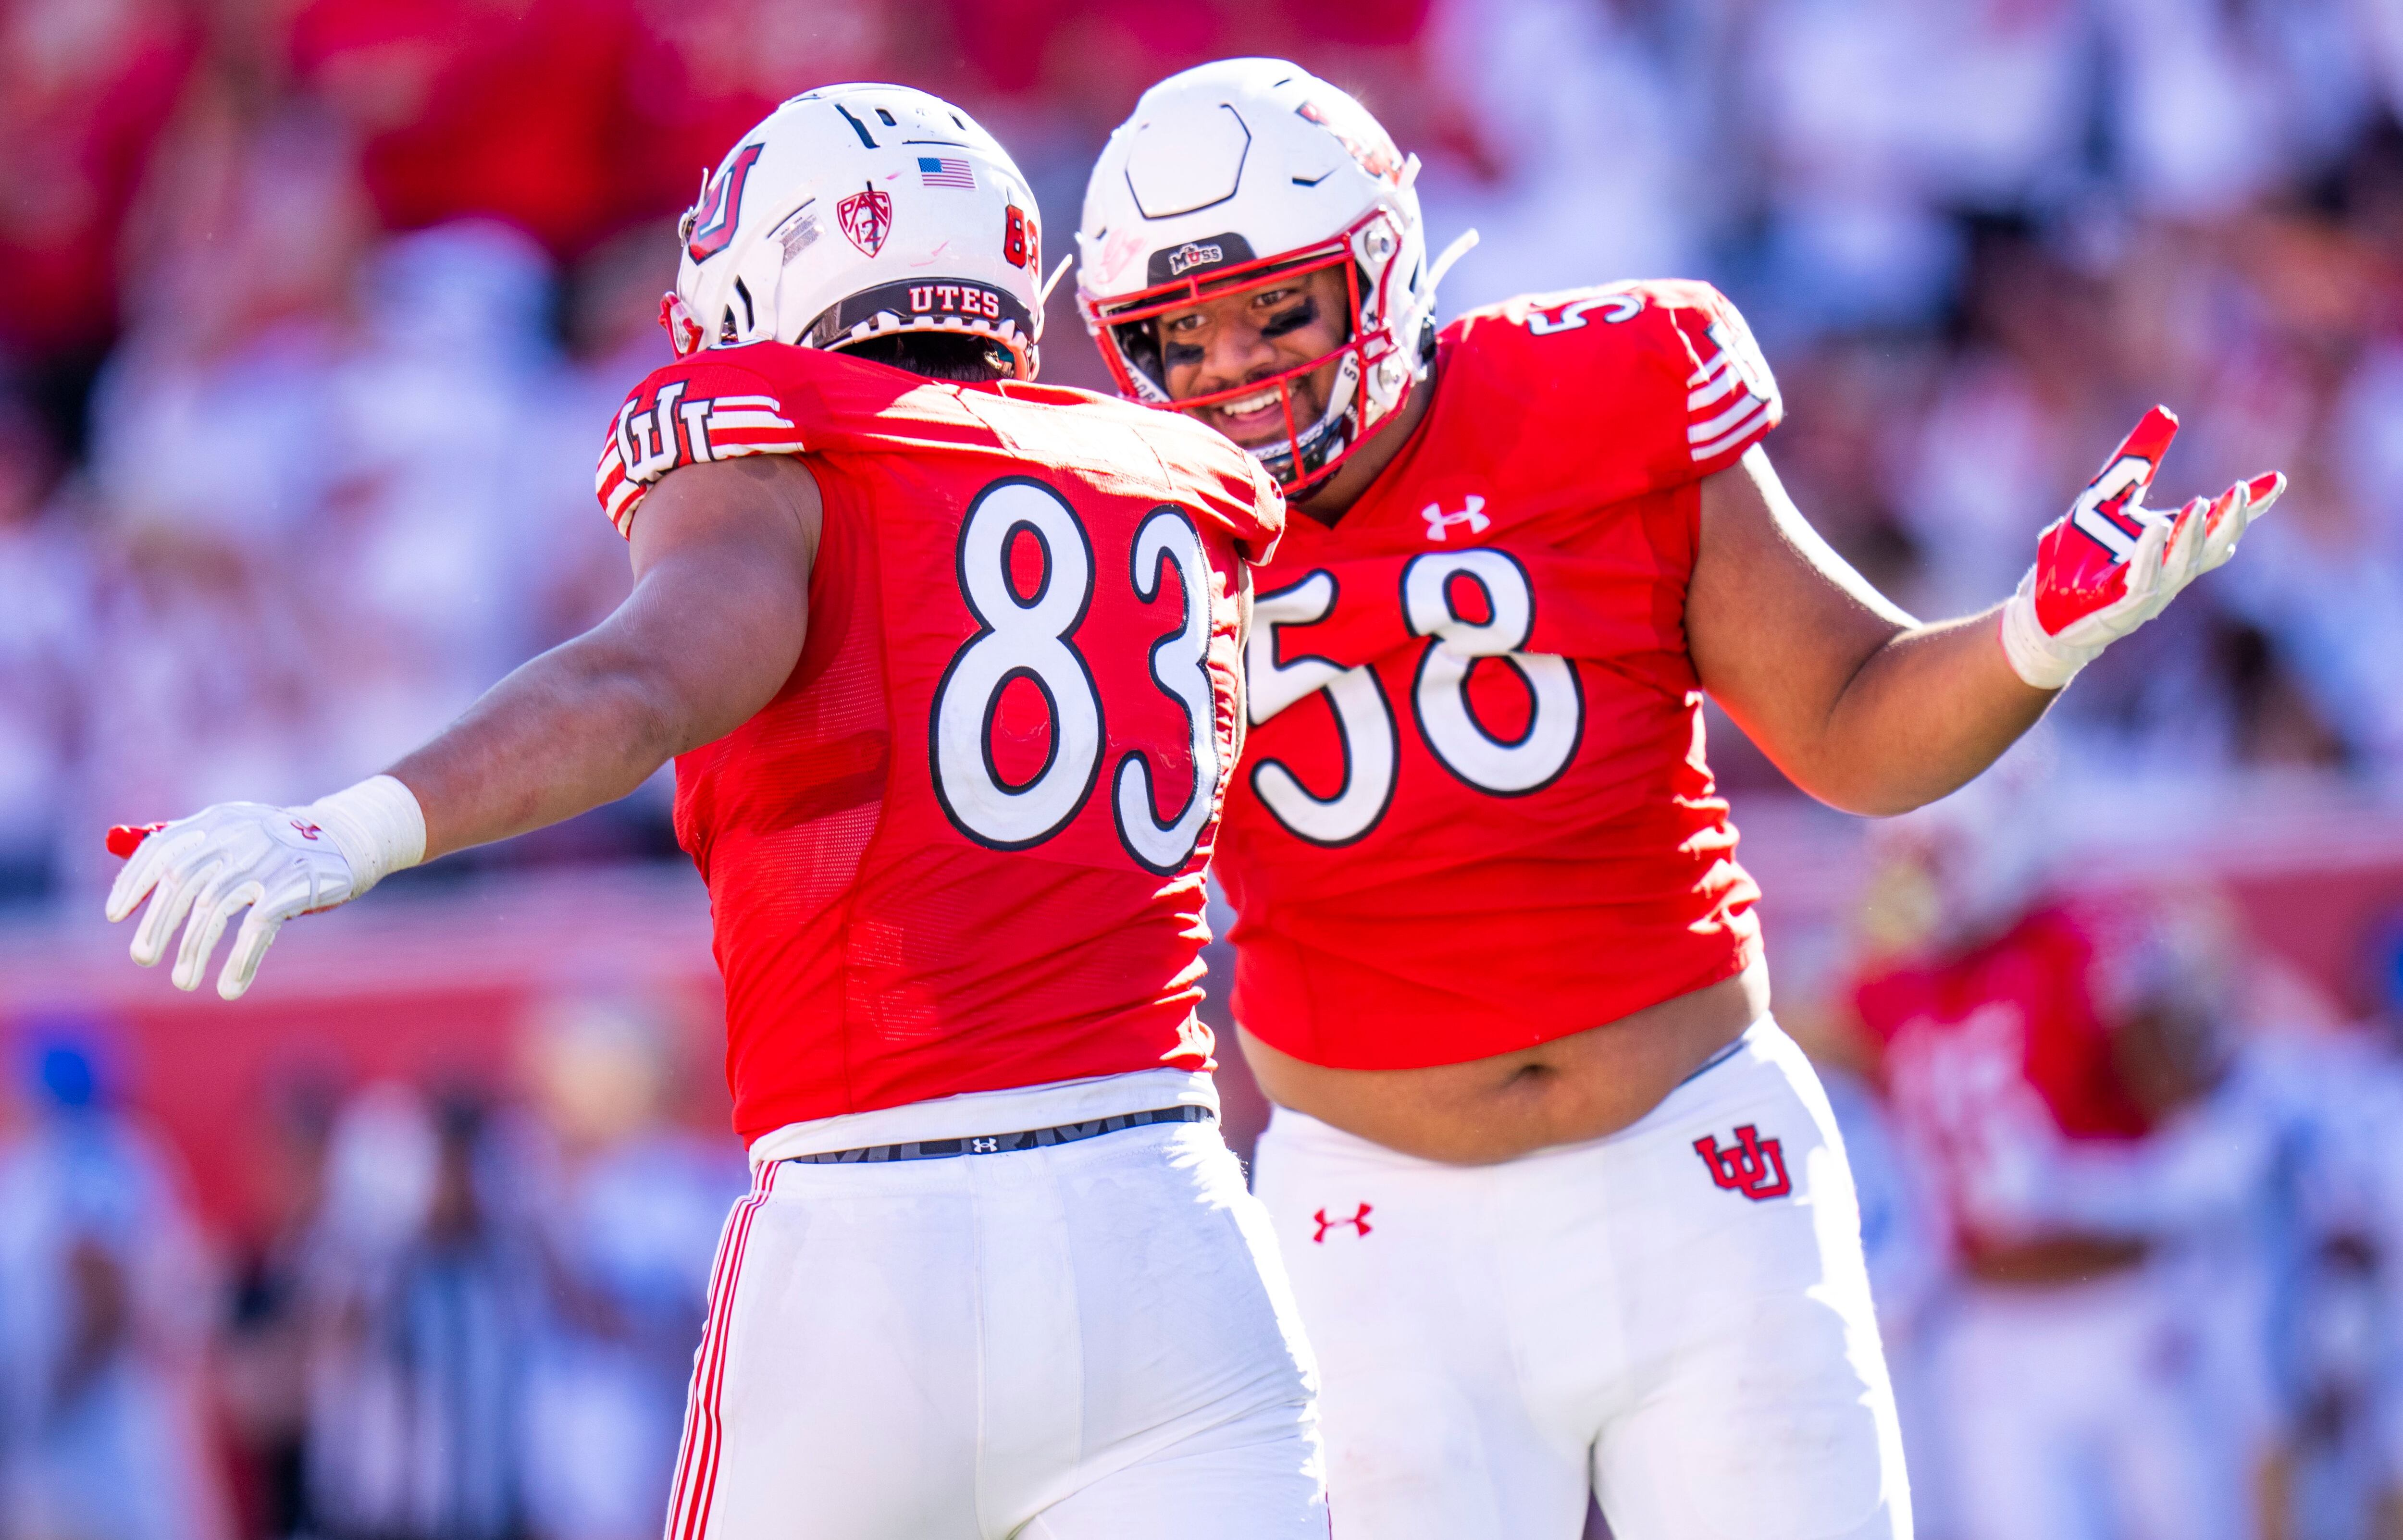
(945, 172)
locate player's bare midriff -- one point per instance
(2055, 1261)
(1581, 1087)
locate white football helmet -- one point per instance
(855, 212)
(1235, 174)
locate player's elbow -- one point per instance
(1886, 793)
(625, 699)
(1866, 786)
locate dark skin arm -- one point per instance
(1861, 706)
(713, 629)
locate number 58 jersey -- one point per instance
(962, 850)
(1474, 813)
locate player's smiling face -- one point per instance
(1256, 334)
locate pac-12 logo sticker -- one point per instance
(1753, 1166)
(1358, 1223)
(866, 219)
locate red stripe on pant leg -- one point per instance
(703, 1426)
(696, 1412)
(717, 1380)
(688, 1509)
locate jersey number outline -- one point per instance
(1571, 316)
(1032, 639)
(1439, 692)
(1367, 736)
(1365, 732)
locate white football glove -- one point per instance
(2110, 564)
(274, 862)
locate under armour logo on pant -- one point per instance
(1359, 1223)
(1753, 1166)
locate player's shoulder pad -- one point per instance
(716, 403)
(1201, 468)
(1668, 362)
(1250, 502)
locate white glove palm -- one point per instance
(273, 863)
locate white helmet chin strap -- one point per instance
(1461, 246)
(1043, 295)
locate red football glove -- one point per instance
(2110, 564)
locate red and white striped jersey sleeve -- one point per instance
(1731, 397)
(693, 411)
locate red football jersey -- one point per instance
(962, 850)
(1991, 1056)
(1474, 815)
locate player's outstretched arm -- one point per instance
(1873, 712)
(711, 632)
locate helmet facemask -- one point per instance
(1128, 332)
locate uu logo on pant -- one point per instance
(1753, 1166)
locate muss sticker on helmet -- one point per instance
(866, 219)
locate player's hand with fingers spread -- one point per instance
(262, 863)
(2110, 564)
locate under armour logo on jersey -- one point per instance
(1439, 522)
(984, 1146)
(1753, 1166)
(1359, 1223)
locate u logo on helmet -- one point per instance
(866, 219)
(721, 207)
(1377, 159)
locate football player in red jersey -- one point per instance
(2051, 1062)
(950, 665)
(1563, 1207)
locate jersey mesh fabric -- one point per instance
(1476, 913)
(877, 952)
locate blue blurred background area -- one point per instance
(312, 315)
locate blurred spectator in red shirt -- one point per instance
(500, 107)
(85, 88)
(700, 72)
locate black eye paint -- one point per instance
(1182, 354)
(1292, 320)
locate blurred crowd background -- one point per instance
(313, 313)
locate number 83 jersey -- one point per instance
(962, 849)
(1474, 813)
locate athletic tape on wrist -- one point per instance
(377, 825)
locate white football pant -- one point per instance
(1088, 1341)
(1678, 1314)
(2072, 1413)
